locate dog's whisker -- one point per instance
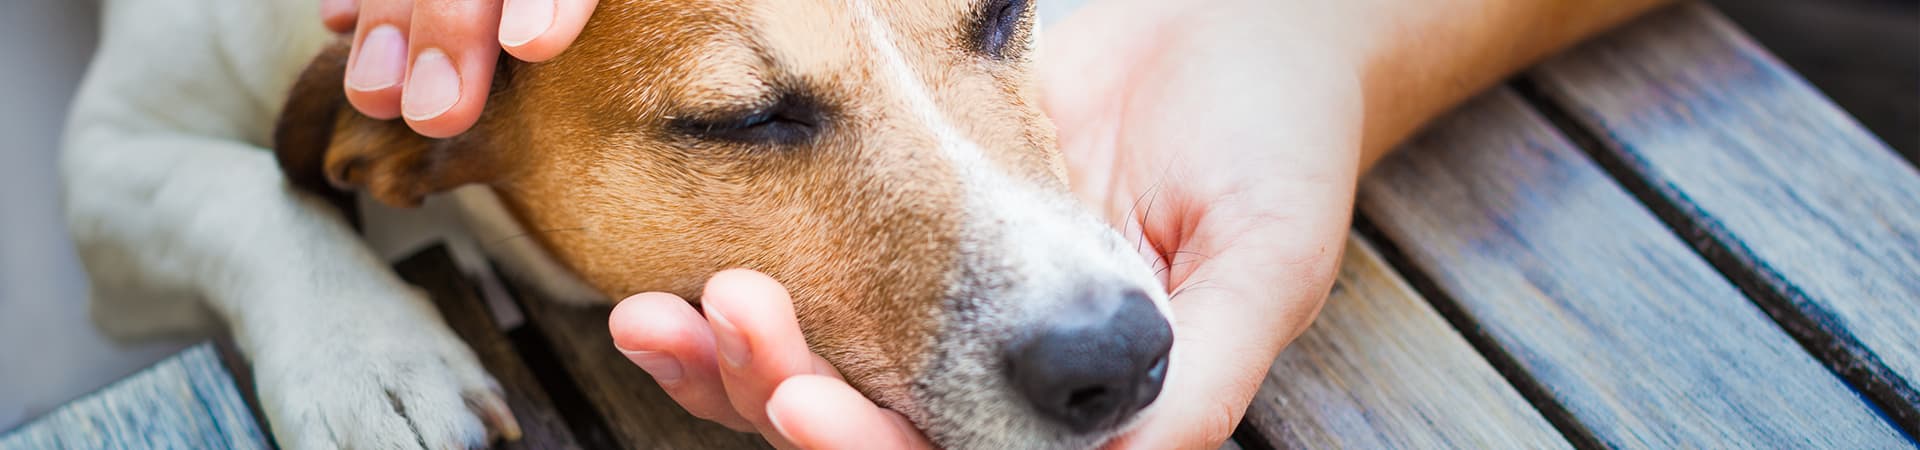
(1190, 287)
(1195, 254)
(1170, 260)
(1129, 219)
(1147, 214)
(1152, 196)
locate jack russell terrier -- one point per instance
(886, 159)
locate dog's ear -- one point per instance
(325, 146)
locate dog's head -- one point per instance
(885, 159)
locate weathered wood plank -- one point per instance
(541, 425)
(1860, 53)
(1381, 369)
(186, 401)
(1802, 207)
(236, 366)
(1627, 333)
(639, 413)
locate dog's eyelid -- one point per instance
(772, 102)
(787, 121)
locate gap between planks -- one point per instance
(1569, 277)
(1688, 114)
(1379, 368)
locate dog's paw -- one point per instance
(380, 387)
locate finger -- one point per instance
(1216, 366)
(757, 337)
(818, 412)
(538, 30)
(1206, 393)
(338, 15)
(663, 335)
(377, 65)
(454, 49)
(1204, 399)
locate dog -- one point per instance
(885, 159)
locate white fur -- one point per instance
(1032, 223)
(173, 199)
(1042, 244)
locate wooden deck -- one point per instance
(1663, 239)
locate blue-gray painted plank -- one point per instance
(1625, 330)
(1780, 188)
(1381, 369)
(187, 401)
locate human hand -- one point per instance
(431, 61)
(1227, 142)
(745, 365)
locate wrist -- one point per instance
(1320, 55)
(1419, 59)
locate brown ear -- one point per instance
(324, 146)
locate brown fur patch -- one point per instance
(301, 134)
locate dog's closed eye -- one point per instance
(792, 120)
(1000, 24)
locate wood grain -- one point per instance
(1381, 369)
(186, 401)
(1805, 209)
(1626, 334)
(639, 413)
(542, 425)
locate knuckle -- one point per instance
(463, 11)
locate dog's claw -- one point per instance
(493, 410)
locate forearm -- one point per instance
(1406, 61)
(1423, 57)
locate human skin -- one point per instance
(1226, 136)
(431, 62)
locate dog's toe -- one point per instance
(437, 418)
(384, 394)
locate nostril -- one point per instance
(1093, 366)
(1156, 378)
(1088, 399)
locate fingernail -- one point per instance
(382, 61)
(523, 20)
(432, 88)
(662, 365)
(774, 418)
(733, 346)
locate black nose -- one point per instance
(1093, 365)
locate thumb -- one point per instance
(1231, 319)
(819, 412)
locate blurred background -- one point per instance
(49, 351)
(1863, 53)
